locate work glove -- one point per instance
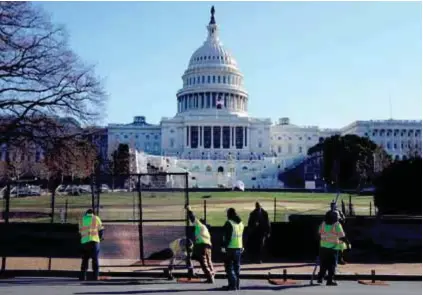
(188, 207)
(223, 250)
(349, 246)
(242, 250)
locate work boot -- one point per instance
(210, 280)
(168, 274)
(331, 283)
(191, 274)
(237, 284)
(320, 280)
(228, 288)
(83, 276)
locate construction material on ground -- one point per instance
(373, 281)
(282, 282)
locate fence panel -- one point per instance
(164, 196)
(70, 200)
(29, 201)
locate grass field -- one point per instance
(169, 205)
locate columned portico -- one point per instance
(216, 137)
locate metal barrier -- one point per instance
(142, 213)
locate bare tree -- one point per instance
(42, 80)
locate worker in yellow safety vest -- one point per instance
(202, 246)
(91, 231)
(332, 238)
(233, 247)
(181, 250)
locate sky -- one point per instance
(318, 63)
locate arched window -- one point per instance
(220, 169)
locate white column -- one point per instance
(202, 136)
(230, 137)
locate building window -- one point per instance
(207, 137)
(194, 137)
(214, 79)
(260, 145)
(224, 79)
(156, 137)
(216, 137)
(279, 138)
(203, 79)
(289, 148)
(300, 149)
(198, 80)
(388, 145)
(279, 149)
(226, 137)
(239, 137)
(218, 79)
(172, 142)
(208, 79)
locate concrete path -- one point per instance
(158, 266)
(38, 286)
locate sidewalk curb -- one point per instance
(304, 277)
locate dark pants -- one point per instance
(233, 267)
(203, 254)
(256, 246)
(90, 250)
(328, 262)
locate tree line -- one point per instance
(354, 162)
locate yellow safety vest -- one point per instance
(202, 234)
(89, 228)
(236, 239)
(176, 248)
(329, 236)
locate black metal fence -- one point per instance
(142, 213)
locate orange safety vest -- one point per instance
(329, 238)
(89, 229)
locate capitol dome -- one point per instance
(212, 79)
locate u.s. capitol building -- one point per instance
(214, 139)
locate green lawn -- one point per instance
(169, 205)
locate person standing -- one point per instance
(331, 235)
(233, 248)
(341, 219)
(259, 231)
(202, 246)
(91, 232)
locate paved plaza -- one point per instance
(49, 286)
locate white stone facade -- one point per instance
(212, 136)
(399, 138)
